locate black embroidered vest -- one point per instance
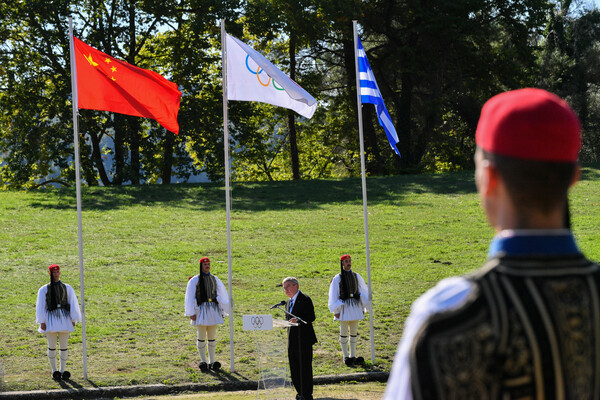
(206, 289)
(349, 285)
(57, 299)
(530, 330)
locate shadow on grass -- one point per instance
(335, 398)
(259, 196)
(70, 384)
(225, 376)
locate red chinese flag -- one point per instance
(107, 84)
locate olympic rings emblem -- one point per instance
(257, 322)
(259, 71)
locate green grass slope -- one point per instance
(142, 243)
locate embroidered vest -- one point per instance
(348, 285)
(530, 330)
(57, 300)
(206, 289)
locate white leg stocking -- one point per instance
(63, 339)
(211, 333)
(201, 344)
(344, 337)
(51, 336)
(353, 326)
(212, 346)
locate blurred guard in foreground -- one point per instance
(57, 310)
(206, 303)
(527, 325)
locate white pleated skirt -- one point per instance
(208, 313)
(352, 310)
(57, 324)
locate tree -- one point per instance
(36, 134)
(437, 58)
(568, 58)
(36, 122)
(298, 22)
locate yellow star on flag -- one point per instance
(91, 60)
(113, 69)
(107, 60)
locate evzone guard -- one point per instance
(206, 303)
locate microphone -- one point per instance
(282, 302)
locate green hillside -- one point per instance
(142, 243)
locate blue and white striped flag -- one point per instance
(369, 93)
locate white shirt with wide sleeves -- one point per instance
(207, 313)
(348, 309)
(61, 323)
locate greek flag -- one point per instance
(369, 93)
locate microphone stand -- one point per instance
(291, 315)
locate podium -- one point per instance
(271, 356)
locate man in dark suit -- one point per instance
(300, 338)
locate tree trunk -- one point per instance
(97, 157)
(167, 158)
(134, 128)
(118, 123)
(291, 116)
(169, 142)
(404, 121)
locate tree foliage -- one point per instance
(436, 62)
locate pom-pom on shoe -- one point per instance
(203, 366)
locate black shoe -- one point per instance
(203, 367)
(215, 366)
(56, 375)
(359, 360)
(349, 361)
(66, 375)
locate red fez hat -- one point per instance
(345, 257)
(530, 124)
(204, 259)
(53, 267)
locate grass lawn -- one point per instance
(142, 243)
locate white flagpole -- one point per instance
(78, 192)
(364, 190)
(227, 191)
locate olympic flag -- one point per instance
(369, 93)
(251, 77)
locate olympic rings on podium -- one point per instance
(257, 322)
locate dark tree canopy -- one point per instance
(436, 62)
